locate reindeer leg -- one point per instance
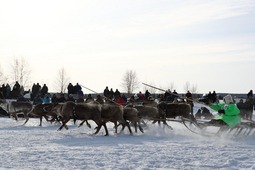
(135, 124)
(63, 125)
(165, 123)
(116, 127)
(97, 129)
(16, 116)
(154, 121)
(140, 128)
(81, 123)
(127, 124)
(88, 124)
(40, 121)
(26, 120)
(123, 127)
(106, 130)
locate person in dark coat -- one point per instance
(54, 98)
(106, 92)
(111, 94)
(116, 93)
(99, 99)
(189, 100)
(70, 89)
(16, 90)
(77, 88)
(214, 97)
(44, 90)
(147, 94)
(62, 98)
(250, 94)
(8, 90)
(4, 91)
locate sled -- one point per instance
(204, 128)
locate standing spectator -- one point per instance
(209, 96)
(16, 90)
(250, 94)
(147, 94)
(167, 94)
(175, 94)
(36, 88)
(214, 97)
(106, 92)
(111, 94)
(44, 90)
(8, 90)
(4, 91)
(70, 89)
(77, 88)
(189, 100)
(116, 93)
(21, 90)
(33, 93)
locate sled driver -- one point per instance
(228, 113)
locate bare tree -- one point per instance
(186, 86)
(20, 72)
(3, 78)
(192, 89)
(171, 86)
(130, 81)
(62, 80)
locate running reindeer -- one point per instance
(14, 108)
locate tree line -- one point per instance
(20, 72)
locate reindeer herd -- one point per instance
(124, 116)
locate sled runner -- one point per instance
(206, 128)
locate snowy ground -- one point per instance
(34, 147)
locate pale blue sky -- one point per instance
(209, 43)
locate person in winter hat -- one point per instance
(229, 114)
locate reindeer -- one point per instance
(114, 113)
(150, 112)
(80, 111)
(131, 115)
(172, 110)
(14, 108)
(43, 110)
